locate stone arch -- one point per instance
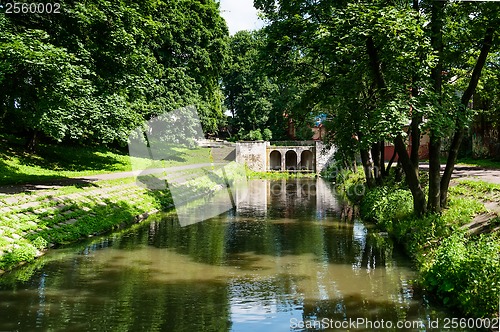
(275, 160)
(291, 160)
(306, 160)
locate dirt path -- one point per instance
(482, 223)
(471, 172)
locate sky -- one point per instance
(240, 15)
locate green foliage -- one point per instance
(304, 133)
(259, 95)
(462, 271)
(267, 134)
(110, 66)
(254, 135)
(332, 170)
(376, 67)
(40, 243)
(461, 210)
(247, 87)
(23, 252)
(386, 204)
(350, 185)
(465, 273)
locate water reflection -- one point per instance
(281, 256)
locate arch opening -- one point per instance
(291, 160)
(275, 160)
(306, 161)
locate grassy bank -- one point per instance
(484, 163)
(51, 162)
(459, 267)
(32, 222)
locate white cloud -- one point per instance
(240, 15)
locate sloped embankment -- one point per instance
(34, 221)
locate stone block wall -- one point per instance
(324, 156)
(253, 154)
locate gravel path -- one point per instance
(471, 172)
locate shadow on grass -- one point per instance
(66, 158)
(51, 161)
(12, 181)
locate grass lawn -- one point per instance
(485, 163)
(63, 161)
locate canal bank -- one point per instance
(33, 221)
(456, 252)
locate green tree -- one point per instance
(380, 69)
(247, 87)
(262, 91)
(100, 68)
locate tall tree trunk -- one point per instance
(375, 64)
(389, 165)
(411, 177)
(450, 166)
(434, 204)
(32, 142)
(382, 159)
(379, 79)
(459, 132)
(377, 166)
(409, 169)
(415, 141)
(416, 120)
(368, 167)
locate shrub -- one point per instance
(466, 273)
(255, 135)
(267, 134)
(350, 185)
(385, 205)
(461, 270)
(23, 252)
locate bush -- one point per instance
(385, 205)
(267, 134)
(350, 185)
(466, 273)
(255, 135)
(420, 234)
(23, 252)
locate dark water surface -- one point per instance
(281, 261)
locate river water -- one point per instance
(281, 260)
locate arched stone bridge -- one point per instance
(304, 156)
